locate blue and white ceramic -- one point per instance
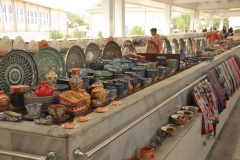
(34, 109)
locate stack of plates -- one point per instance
(17, 100)
(30, 97)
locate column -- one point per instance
(119, 18)
(3, 19)
(192, 20)
(107, 18)
(15, 16)
(25, 16)
(196, 21)
(210, 20)
(221, 23)
(168, 16)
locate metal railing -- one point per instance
(77, 153)
(52, 155)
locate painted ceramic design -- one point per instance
(4, 101)
(51, 76)
(189, 47)
(98, 95)
(17, 67)
(168, 130)
(128, 48)
(75, 58)
(167, 47)
(49, 55)
(147, 153)
(76, 82)
(42, 44)
(44, 90)
(92, 53)
(34, 109)
(179, 119)
(175, 47)
(10, 116)
(88, 97)
(56, 110)
(112, 50)
(152, 47)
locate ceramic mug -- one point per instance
(34, 109)
(56, 110)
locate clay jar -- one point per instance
(4, 101)
(147, 153)
(51, 76)
(130, 87)
(98, 95)
(56, 110)
(88, 97)
(44, 90)
(76, 82)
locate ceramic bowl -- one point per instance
(160, 58)
(34, 109)
(56, 110)
(191, 108)
(10, 116)
(179, 119)
(139, 70)
(168, 130)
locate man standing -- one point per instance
(157, 39)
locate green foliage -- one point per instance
(98, 3)
(99, 34)
(55, 35)
(73, 18)
(67, 36)
(178, 22)
(226, 22)
(78, 34)
(137, 30)
(216, 23)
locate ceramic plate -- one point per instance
(175, 46)
(189, 46)
(92, 41)
(127, 47)
(66, 43)
(75, 58)
(79, 42)
(19, 43)
(167, 47)
(92, 53)
(33, 46)
(6, 44)
(152, 47)
(33, 117)
(112, 50)
(49, 55)
(202, 44)
(17, 67)
(55, 44)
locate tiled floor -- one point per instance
(228, 146)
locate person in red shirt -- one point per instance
(156, 38)
(213, 36)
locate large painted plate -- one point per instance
(49, 55)
(92, 53)
(75, 58)
(112, 50)
(152, 47)
(189, 47)
(127, 48)
(175, 46)
(17, 67)
(167, 47)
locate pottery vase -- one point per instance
(4, 101)
(76, 82)
(147, 153)
(44, 90)
(97, 81)
(98, 95)
(87, 96)
(51, 76)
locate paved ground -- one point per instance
(228, 146)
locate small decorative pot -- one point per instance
(51, 76)
(4, 101)
(98, 95)
(76, 82)
(168, 130)
(147, 153)
(180, 119)
(34, 109)
(87, 96)
(44, 90)
(56, 110)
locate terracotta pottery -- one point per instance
(56, 110)
(44, 90)
(43, 44)
(130, 87)
(76, 82)
(147, 153)
(98, 95)
(4, 101)
(87, 96)
(51, 76)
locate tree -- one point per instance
(73, 18)
(226, 22)
(137, 30)
(216, 23)
(98, 3)
(78, 34)
(55, 35)
(99, 34)
(178, 22)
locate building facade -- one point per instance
(24, 18)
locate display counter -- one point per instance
(27, 137)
